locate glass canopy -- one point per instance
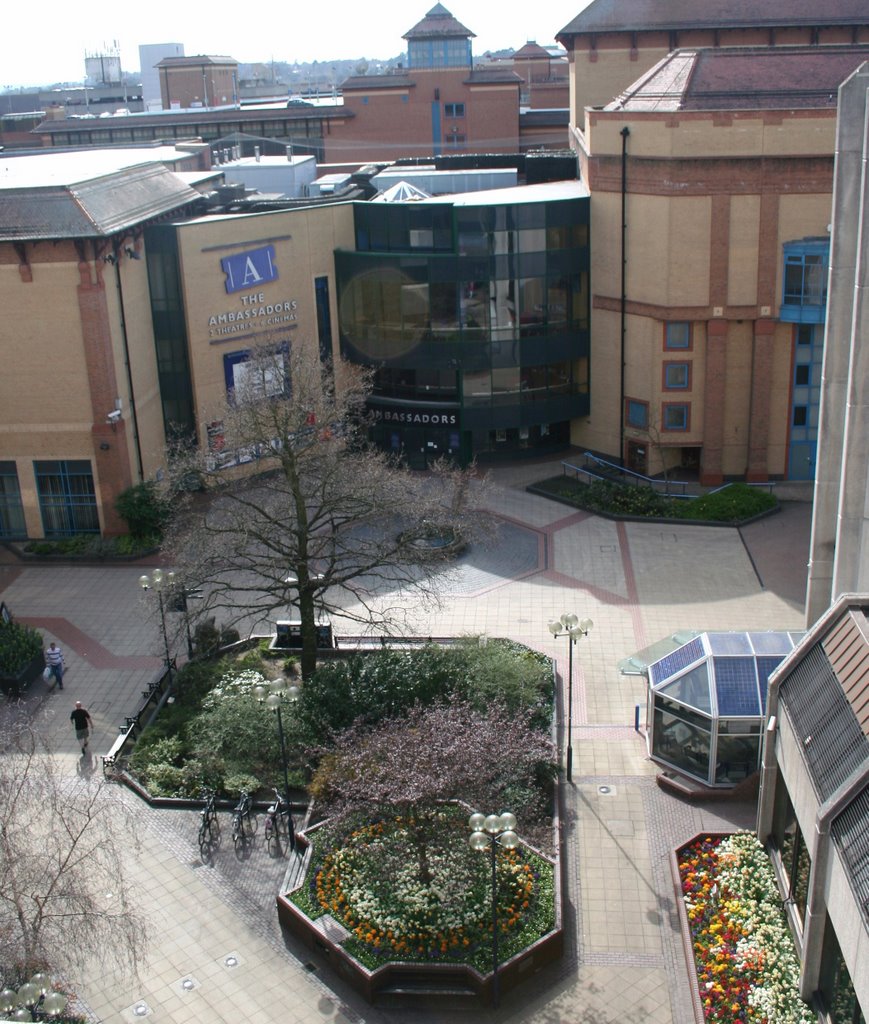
(708, 703)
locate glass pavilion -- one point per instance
(707, 703)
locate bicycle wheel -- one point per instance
(238, 833)
(204, 842)
(252, 823)
(273, 838)
(214, 827)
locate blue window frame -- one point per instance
(677, 376)
(636, 413)
(677, 334)
(67, 498)
(11, 510)
(675, 416)
(804, 281)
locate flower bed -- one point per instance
(744, 955)
(413, 890)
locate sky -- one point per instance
(59, 37)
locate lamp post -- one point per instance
(157, 580)
(571, 627)
(34, 1000)
(488, 832)
(273, 696)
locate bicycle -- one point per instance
(278, 822)
(209, 825)
(244, 822)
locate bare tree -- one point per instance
(65, 901)
(326, 516)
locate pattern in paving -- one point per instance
(218, 954)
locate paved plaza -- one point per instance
(215, 927)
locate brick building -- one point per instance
(438, 104)
(711, 180)
(198, 82)
(80, 416)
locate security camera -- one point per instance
(114, 416)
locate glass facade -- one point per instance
(479, 314)
(170, 331)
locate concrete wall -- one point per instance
(839, 554)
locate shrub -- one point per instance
(386, 683)
(19, 645)
(143, 509)
(732, 503)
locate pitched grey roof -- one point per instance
(744, 78)
(91, 207)
(649, 15)
(824, 717)
(194, 62)
(438, 23)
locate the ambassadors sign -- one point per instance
(249, 269)
(244, 272)
(414, 415)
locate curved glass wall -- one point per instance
(709, 703)
(483, 306)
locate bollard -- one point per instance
(636, 718)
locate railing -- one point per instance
(152, 701)
(603, 469)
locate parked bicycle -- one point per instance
(278, 825)
(209, 825)
(244, 822)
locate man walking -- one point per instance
(81, 720)
(54, 661)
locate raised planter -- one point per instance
(415, 980)
(14, 685)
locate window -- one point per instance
(455, 140)
(324, 318)
(801, 415)
(677, 334)
(67, 498)
(805, 280)
(636, 413)
(675, 417)
(805, 268)
(801, 374)
(454, 110)
(11, 511)
(677, 376)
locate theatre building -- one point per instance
(473, 310)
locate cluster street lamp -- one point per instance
(34, 1000)
(571, 627)
(273, 697)
(157, 581)
(488, 832)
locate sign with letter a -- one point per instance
(249, 269)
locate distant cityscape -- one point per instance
(277, 77)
